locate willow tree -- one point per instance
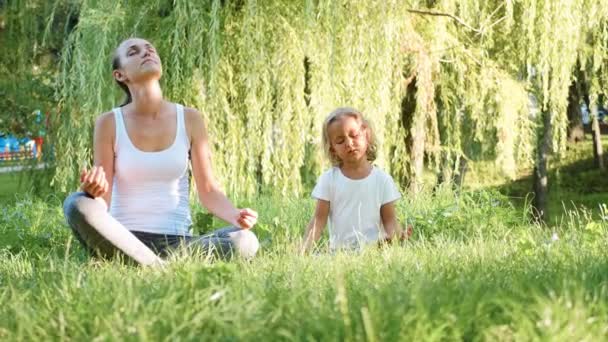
(482, 110)
(591, 75)
(246, 66)
(30, 40)
(535, 43)
(442, 82)
(555, 33)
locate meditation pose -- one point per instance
(135, 200)
(358, 197)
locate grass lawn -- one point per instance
(14, 185)
(9, 186)
(475, 269)
(574, 183)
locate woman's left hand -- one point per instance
(247, 218)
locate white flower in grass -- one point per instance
(217, 295)
(554, 237)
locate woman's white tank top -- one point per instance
(151, 189)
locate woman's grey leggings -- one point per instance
(102, 234)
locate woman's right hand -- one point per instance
(94, 181)
(246, 218)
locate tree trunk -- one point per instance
(463, 167)
(541, 176)
(576, 131)
(452, 172)
(595, 125)
(598, 156)
(415, 138)
(445, 171)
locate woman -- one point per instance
(141, 152)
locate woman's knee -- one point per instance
(78, 205)
(245, 243)
(71, 205)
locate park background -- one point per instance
(489, 116)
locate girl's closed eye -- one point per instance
(357, 134)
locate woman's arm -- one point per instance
(97, 182)
(316, 226)
(103, 150)
(208, 190)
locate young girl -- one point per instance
(358, 197)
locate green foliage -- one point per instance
(521, 283)
(32, 225)
(275, 70)
(9, 186)
(265, 73)
(460, 217)
(31, 38)
(244, 68)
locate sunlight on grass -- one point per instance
(574, 182)
(474, 269)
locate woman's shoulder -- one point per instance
(105, 121)
(189, 111)
(192, 115)
(106, 115)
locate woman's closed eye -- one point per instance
(150, 48)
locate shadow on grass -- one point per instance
(577, 185)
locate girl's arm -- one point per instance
(316, 225)
(390, 222)
(208, 190)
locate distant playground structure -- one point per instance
(28, 147)
(13, 148)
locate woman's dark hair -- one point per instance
(115, 66)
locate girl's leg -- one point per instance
(101, 233)
(226, 242)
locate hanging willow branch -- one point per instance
(266, 73)
(441, 14)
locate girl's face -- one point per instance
(138, 61)
(348, 139)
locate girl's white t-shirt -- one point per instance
(354, 206)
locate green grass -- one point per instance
(474, 270)
(574, 182)
(14, 185)
(9, 186)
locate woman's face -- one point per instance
(138, 61)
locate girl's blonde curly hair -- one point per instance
(372, 148)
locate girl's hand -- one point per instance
(401, 236)
(94, 182)
(246, 218)
(407, 233)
